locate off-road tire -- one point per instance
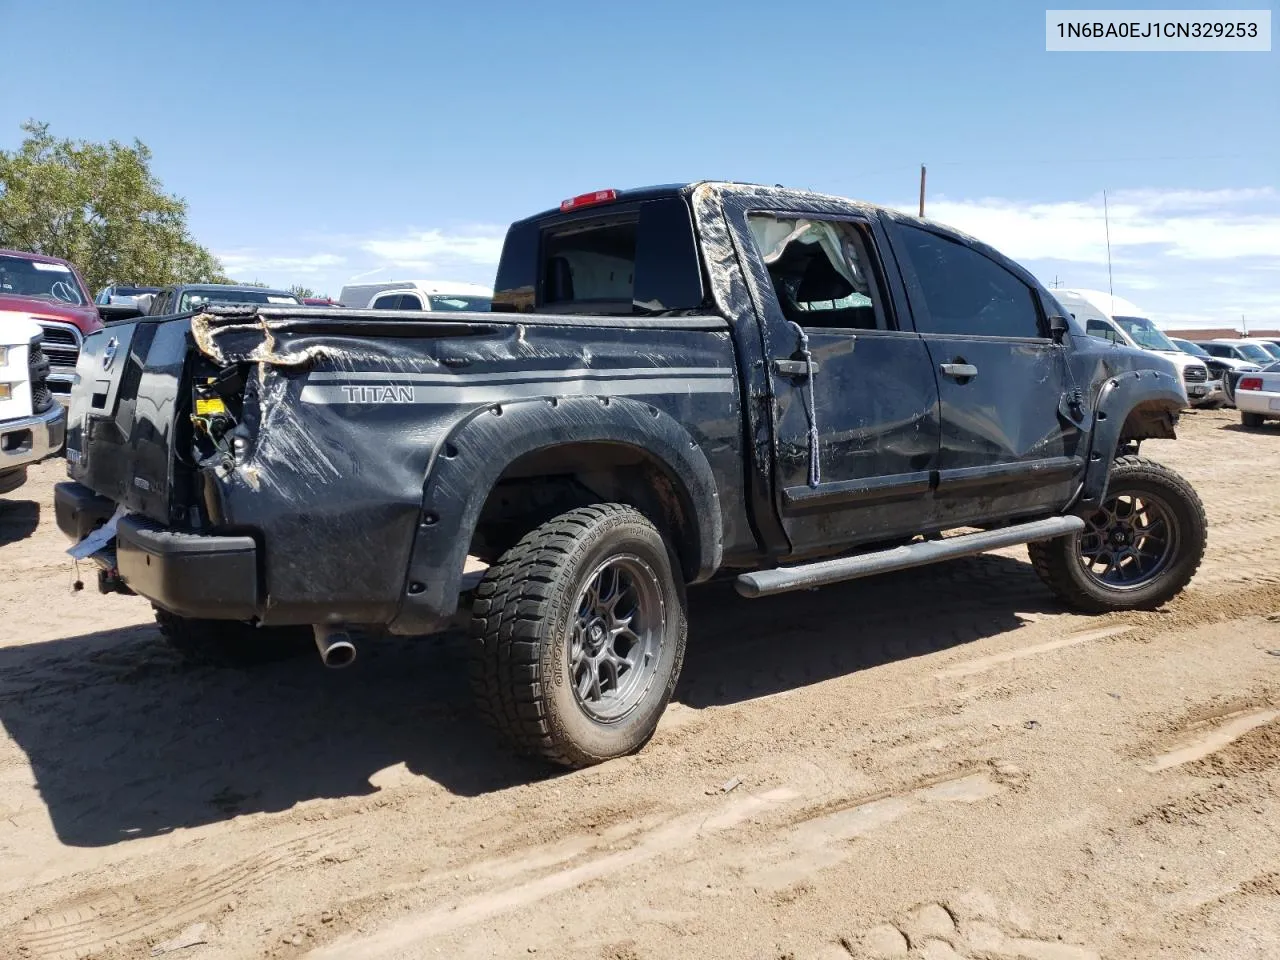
(1252, 420)
(520, 636)
(1057, 561)
(230, 643)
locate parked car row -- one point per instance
(1121, 322)
(1211, 369)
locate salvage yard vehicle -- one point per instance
(122, 293)
(1242, 351)
(675, 384)
(51, 292)
(429, 295)
(1120, 321)
(1273, 349)
(32, 422)
(1257, 396)
(184, 297)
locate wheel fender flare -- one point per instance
(470, 459)
(1119, 396)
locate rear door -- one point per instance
(853, 396)
(1006, 450)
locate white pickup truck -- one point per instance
(33, 424)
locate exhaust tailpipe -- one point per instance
(335, 646)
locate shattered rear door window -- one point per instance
(819, 272)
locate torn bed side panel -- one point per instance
(330, 457)
(334, 491)
(249, 342)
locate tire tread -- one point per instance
(510, 614)
(1054, 559)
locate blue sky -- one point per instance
(317, 141)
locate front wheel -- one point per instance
(1137, 551)
(578, 635)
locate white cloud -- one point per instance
(1203, 225)
(250, 261)
(1200, 257)
(426, 249)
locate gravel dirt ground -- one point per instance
(938, 764)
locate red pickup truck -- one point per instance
(51, 292)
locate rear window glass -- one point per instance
(452, 302)
(589, 263)
(640, 260)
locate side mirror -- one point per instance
(1058, 328)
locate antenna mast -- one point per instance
(1106, 220)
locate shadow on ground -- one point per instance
(1267, 425)
(18, 520)
(128, 741)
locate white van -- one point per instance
(433, 295)
(1113, 318)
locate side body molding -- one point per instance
(479, 448)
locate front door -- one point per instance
(854, 398)
(1006, 450)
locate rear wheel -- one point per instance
(578, 636)
(1252, 420)
(1137, 551)
(230, 643)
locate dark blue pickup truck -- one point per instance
(675, 384)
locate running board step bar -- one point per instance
(765, 583)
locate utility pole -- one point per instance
(1245, 324)
(922, 190)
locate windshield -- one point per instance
(451, 302)
(1271, 348)
(192, 299)
(1145, 334)
(47, 281)
(1254, 352)
(1186, 346)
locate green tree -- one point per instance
(99, 206)
(301, 292)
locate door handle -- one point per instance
(794, 368)
(960, 371)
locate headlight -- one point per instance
(6, 391)
(4, 356)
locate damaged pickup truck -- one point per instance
(675, 384)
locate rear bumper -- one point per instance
(1263, 402)
(190, 574)
(32, 439)
(203, 576)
